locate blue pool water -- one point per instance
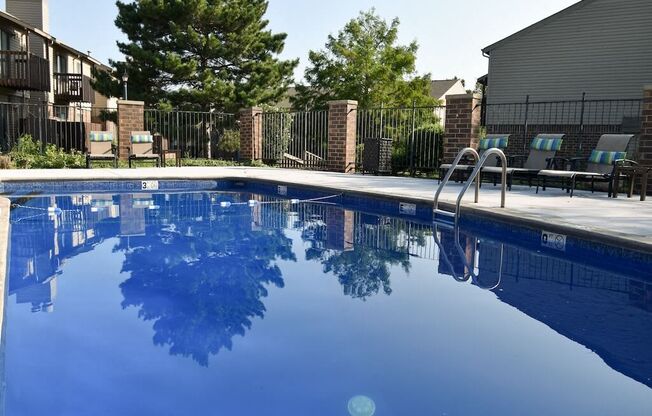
(175, 304)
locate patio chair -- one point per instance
(543, 151)
(600, 165)
(100, 147)
(142, 148)
(499, 141)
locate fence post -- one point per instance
(462, 127)
(251, 133)
(579, 152)
(131, 117)
(342, 123)
(525, 125)
(412, 144)
(645, 141)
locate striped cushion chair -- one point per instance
(543, 151)
(600, 165)
(500, 141)
(100, 147)
(142, 148)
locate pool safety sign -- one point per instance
(553, 241)
(149, 185)
(282, 190)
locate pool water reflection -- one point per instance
(170, 304)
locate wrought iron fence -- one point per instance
(296, 139)
(583, 121)
(416, 133)
(65, 126)
(197, 134)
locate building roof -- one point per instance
(536, 25)
(28, 27)
(439, 87)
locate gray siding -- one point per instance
(602, 47)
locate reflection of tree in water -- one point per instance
(364, 270)
(203, 285)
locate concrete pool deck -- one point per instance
(620, 221)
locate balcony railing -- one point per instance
(24, 71)
(73, 88)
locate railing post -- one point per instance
(645, 141)
(581, 138)
(525, 124)
(412, 144)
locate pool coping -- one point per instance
(507, 215)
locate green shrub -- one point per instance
(27, 154)
(230, 142)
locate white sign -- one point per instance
(553, 241)
(407, 209)
(150, 185)
(282, 190)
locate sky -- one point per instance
(450, 34)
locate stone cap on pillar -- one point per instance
(343, 102)
(131, 102)
(251, 110)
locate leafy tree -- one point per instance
(364, 63)
(202, 283)
(208, 54)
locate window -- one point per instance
(61, 64)
(5, 37)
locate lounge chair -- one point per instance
(543, 151)
(499, 141)
(600, 166)
(142, 148)
(100, 147)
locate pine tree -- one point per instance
(201, 54)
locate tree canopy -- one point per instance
(208, 54)
(364, 62)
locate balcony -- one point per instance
(24, 71)
(73, 88)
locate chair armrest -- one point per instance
(558, 163)
(574, 162)
(625, 162)
(514, 160)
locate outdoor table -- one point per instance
(177, 157)
(631, 172)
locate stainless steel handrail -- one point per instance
(451, 170)
(474, 176)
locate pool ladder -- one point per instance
(469, 272)
(479, 163)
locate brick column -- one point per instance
(645, 141)
(340, 228)
(131, 117)
(462, 124)
(251, 133)
(342, 119)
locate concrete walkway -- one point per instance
(624, 219)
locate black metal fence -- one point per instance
(65, 126)
(295, 139)
(196, 134)
(416, 133)
(583, 121)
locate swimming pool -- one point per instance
(236, 298)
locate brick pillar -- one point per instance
(131, 117)
(342, 119)
(645, 141)
(462, 124)
(340, 228)
(251, 133)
